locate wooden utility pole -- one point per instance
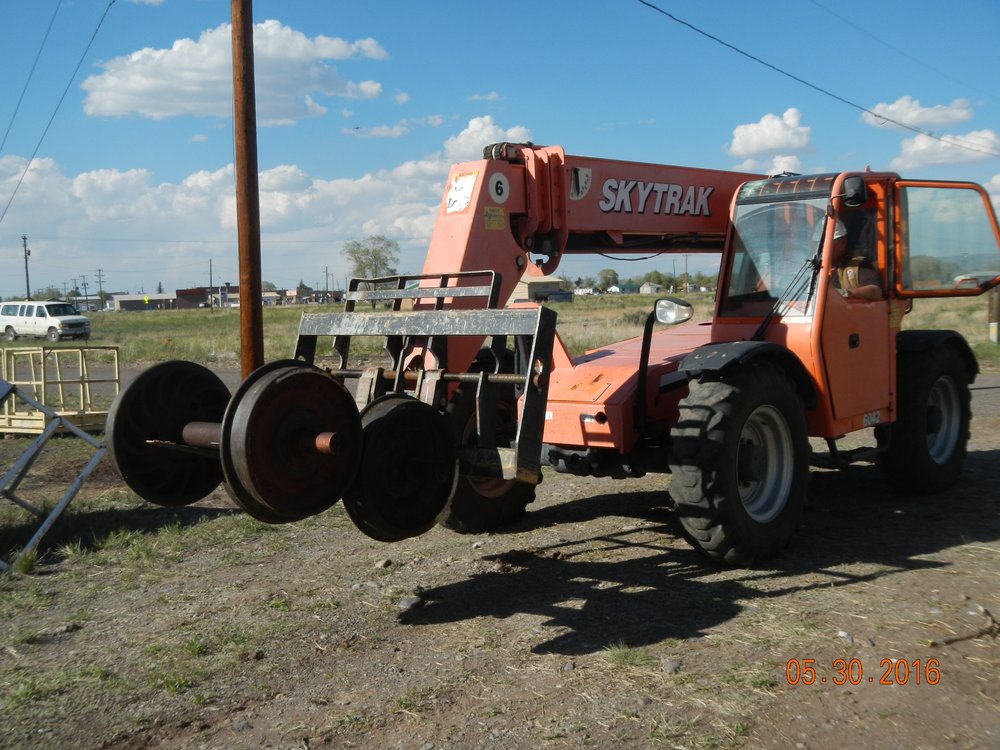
(27, 252)
(247, 189)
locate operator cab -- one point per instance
(923, 239)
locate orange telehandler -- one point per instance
(476, 396)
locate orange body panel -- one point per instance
(591, 404)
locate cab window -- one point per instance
(948, 242)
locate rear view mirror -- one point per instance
(855, 191)
(671, 311)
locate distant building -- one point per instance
(541, 289)
(142, 302)
(650, 288)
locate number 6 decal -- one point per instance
(499, 188)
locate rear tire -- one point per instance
(484, 504)
(740, 464)
(9, 334)
(927, 445)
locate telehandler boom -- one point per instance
(478, 393)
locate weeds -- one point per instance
(622, 655)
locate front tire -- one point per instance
(483, 504)
(740, 463)
(927, 445)
(52, 335)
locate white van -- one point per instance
(51, 320)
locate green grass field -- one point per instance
(212, 336)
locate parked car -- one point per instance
(51, 320)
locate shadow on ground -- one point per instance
(642, 585)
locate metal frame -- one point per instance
(427, 328)
(16, 474)
(42, 372)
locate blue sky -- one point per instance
(362, 107)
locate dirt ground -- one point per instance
(589, 624)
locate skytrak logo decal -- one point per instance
(635, 197)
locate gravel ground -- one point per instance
(589, 623)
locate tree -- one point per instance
(607, 277)
(374, 257)
(49, 292)
(267, 286)
(303, 291)
(159, 287)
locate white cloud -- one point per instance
(923, 150)
(778, 164)
(480, 132)
(195, 77)
(398, 130)
(140, 232)
(909, 111)
(379, 131)
(771, 134)
(402, 97)
(198, 138)
(490, 97)
(993, 188)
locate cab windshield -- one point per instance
(773, 244)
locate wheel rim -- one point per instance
(944, 418)
(765, 463)
(484, 486)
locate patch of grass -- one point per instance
(25, 692)
(622, 655)
(354, 722)
(762, 681)
(73, 551)
(196, 646)
(26, 563)
(415, 700)
(173, 682)
(17, 599)
(280, 601)
(740, 729)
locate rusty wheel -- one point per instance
(144, 429)
(408, 469)
(291, 442)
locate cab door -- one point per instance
(947, 240)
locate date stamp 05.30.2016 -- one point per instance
(853, 672)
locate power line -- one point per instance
(56, 110)
(31, 72)
(897, 50)
(826, 92)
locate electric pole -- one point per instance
(100, 288)
(27, 252)
(247, 187)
